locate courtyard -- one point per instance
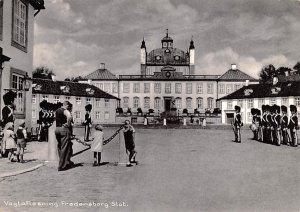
(178, 170)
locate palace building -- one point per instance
(167, 80)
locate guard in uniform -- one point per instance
(254, 125)
(87, 122)
(293, 125)
(284, 126)
(259, 124)
(237, 123)
(8, 110)
(277, 125)
(269, 138)
(41, 121)
(263, 124)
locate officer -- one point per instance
(237, 124)
(87, 122)
(293, 125)
(277, 125)
(284, 126)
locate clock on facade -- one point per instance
(167, 50)
(157, 57)
(177, 57)
(168, 74)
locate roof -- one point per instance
(101, 74)
(283, 89)
(46, 86)
(37, 4)
(165, 56)
(232, 75)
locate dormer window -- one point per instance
(36, 87)
(90, 91)
(65, 89)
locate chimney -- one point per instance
(287, 73)
(247, 82)
(89, 81)
(53, 78)
(233, 67)
(275, 80)
(102, 66)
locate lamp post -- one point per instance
(27, 82)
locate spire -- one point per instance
(192, 44)
(167, 34)
(143, 46)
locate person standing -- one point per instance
(284, 125)
(8, 110)
(9, 143)
(129, 137)
(259, 125)
(21, 141)
(293, 125)
(277, 125)
(237, 123)
(63, 136)
(263, 124)
(97, 144)
(269, 137)
(87, 122)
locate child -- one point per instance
(97, 144)
(21, 141)
(129, 136)
(9, 140)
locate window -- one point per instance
(107, 87)
(56, 99)
(249, 116)
(88, 101)
(272, 101)
(115, 88)
(237, 86)
(98, 115)
(106, 103)
(178, 103)
(199, 88)
(210, 88)
(68, 98)
(45, 97)
(284, 101)
(98, 102)
(240, 103)
(168, 87)
(200, 103)
(221, 88)
(157, 103)
(188, 88)
(99, 85)
(136, 87)
(157, 88)
(126, 87)
(33, 114)
(146, 87)
(106, 115)
(250, 103)
(210, 102)
(17, 84)
(19, 34)
(1, 18)
(136, 102)
(33, 99)
(297, 101)
(228, 89)
(229, 104)
(125, 102)
(78, 115)
(261, 102)
(189, 103)
(178, 88)
(78, 100)
(146, 102)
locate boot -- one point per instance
(99, 159)
(95, 159)
(21, 159)
(18, 158)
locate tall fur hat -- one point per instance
(293, 108)
(43, 104)
(88, 107)
(253, 111)
(277, 108)
(237, 108)
(263, 108)
(258, 112)
(267, 107)
(283, 108)
(9, 97)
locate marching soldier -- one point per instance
(284, 126)
(259, 124)
(264, 124)
(293, 125)
(237, 124)
(41, 120)
(254, 125)
(269, 137)
(8, 110)
(87, 122)
(277, 125)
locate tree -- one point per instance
(267, 73)
(74, 79)
(297, 67)
(43, 72)
(282, 70)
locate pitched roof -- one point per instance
(100, 74)
(237, 74)
(283, 89)
(45, 86)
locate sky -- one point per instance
(73, 37)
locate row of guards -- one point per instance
(273, 126)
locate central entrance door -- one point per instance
(167, 104)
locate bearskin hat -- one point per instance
(237, 108)
(258, 112)
(88, 107)
(253, 111)
(277, 108)
(9, 97)
(43, 104)
(293, 108)
(263, 108)
(267, 107)
(283, 108)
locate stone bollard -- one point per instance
(184, 122)
(204, 122)
(165, 122)
(52, 144)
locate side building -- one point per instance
(16, 52)
(284, 92)
(104, 105)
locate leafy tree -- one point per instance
(74, 79)
(267, 73)
(282, 70)
(297, 67)
(43, 72)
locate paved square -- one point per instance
(179, 170)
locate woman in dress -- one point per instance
(129, 137)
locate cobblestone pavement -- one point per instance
(179, 170)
